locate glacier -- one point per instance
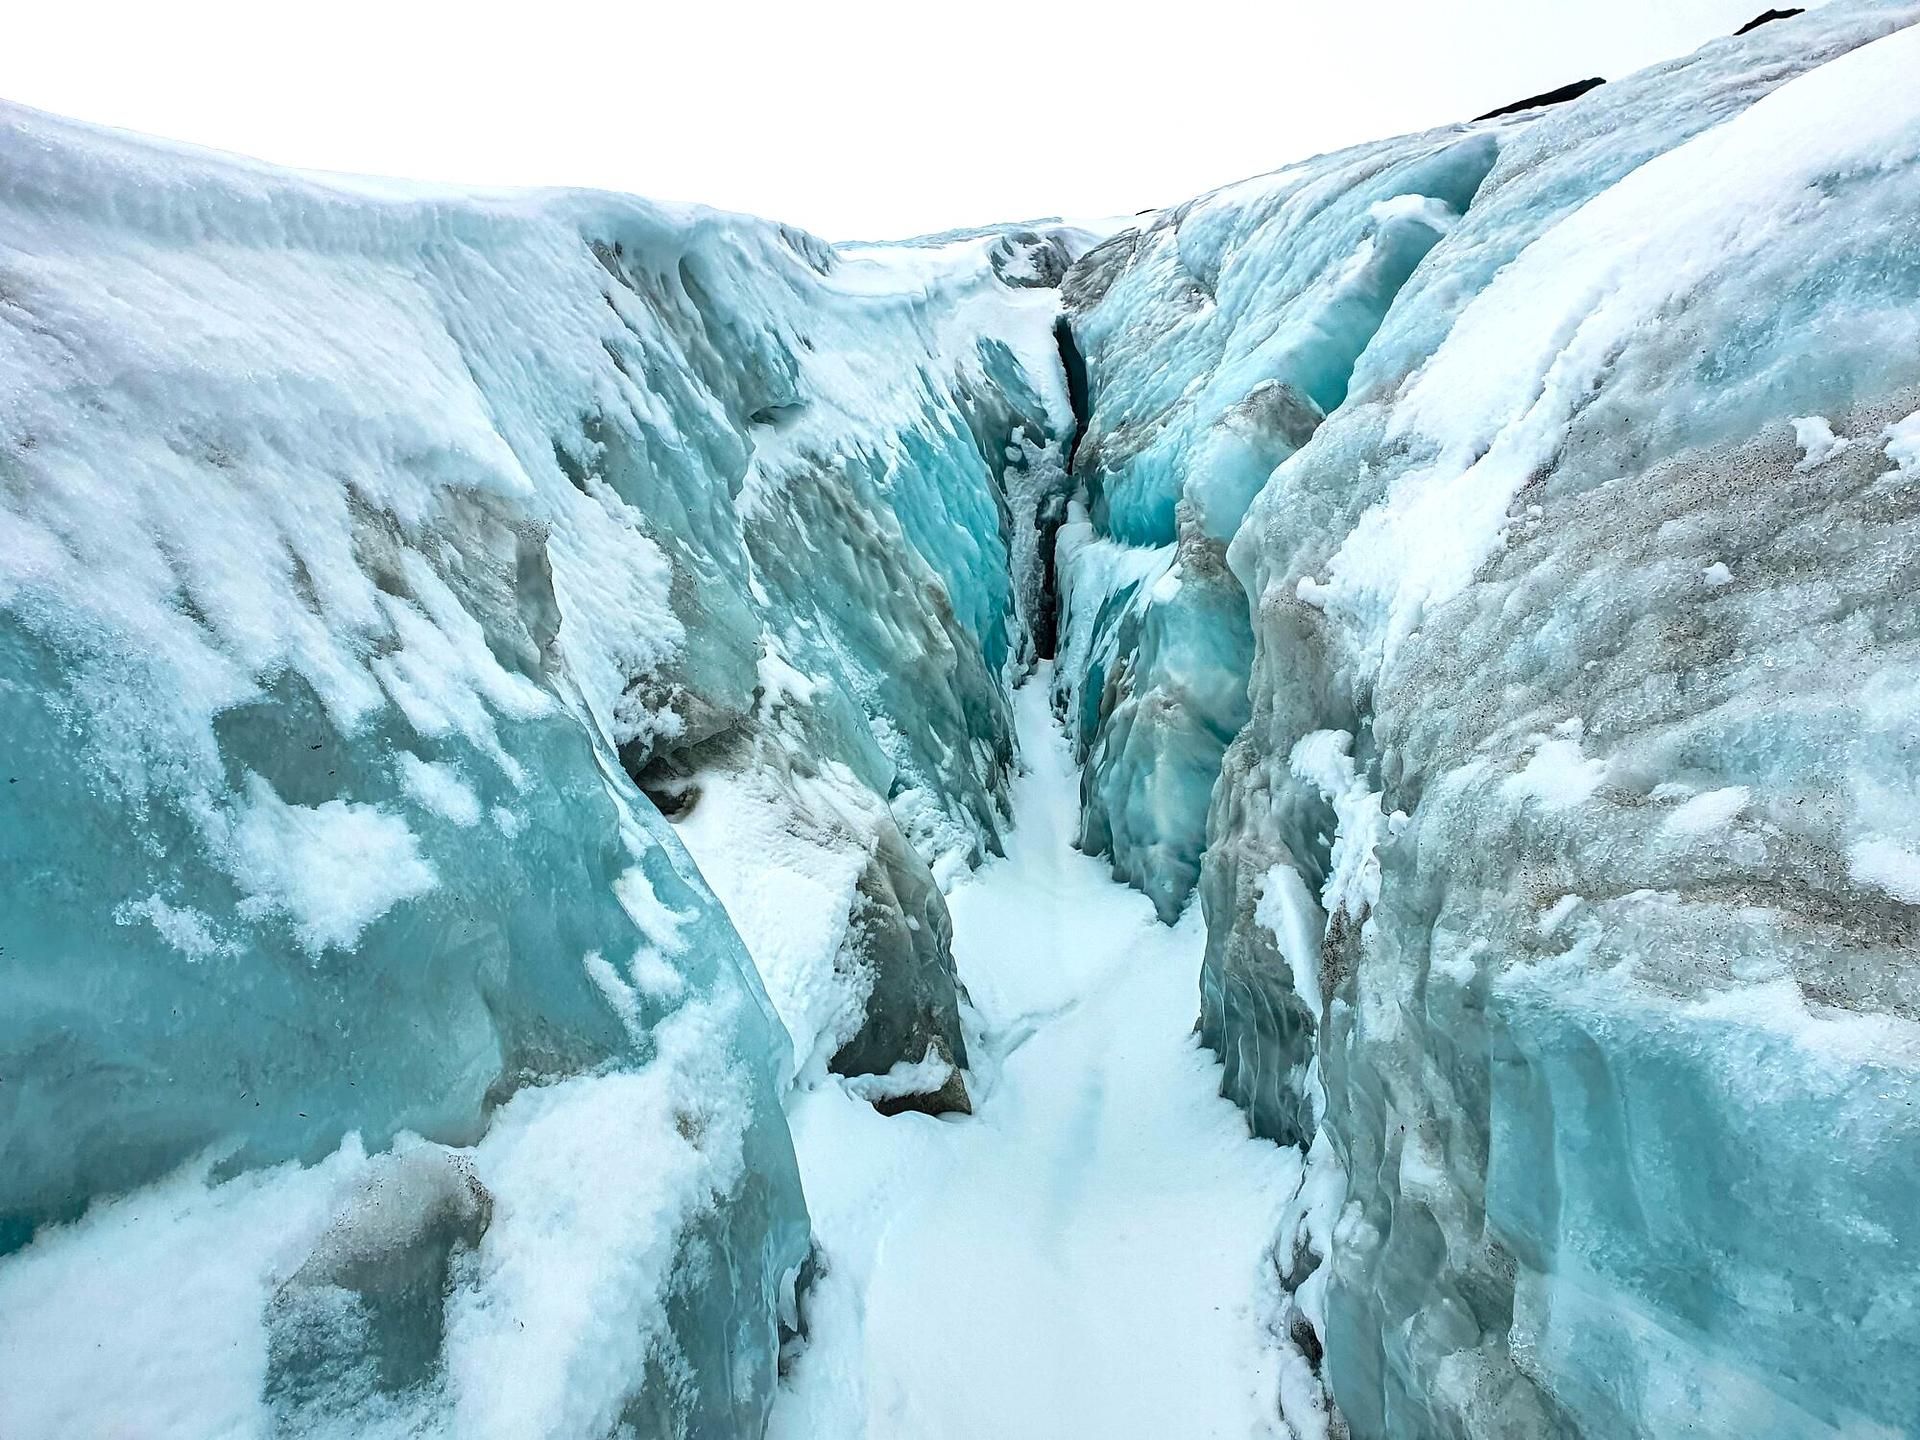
(1541, 797)
(540, 885)
(382, 568)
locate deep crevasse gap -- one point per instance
(1087, 1255)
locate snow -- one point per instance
(908, 1077)
(1558, 774)
(1886, 866)
(1708, 811)
(186, 929)
(788, 880)
(1288, 909)
(1902, 442)
(440, 788)
(145, 1317)
(334, 868)
(1324, 760)
(1087, 1254)
(1818, 444)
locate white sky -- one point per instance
(865, 119)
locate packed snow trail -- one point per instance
(1087, 1254)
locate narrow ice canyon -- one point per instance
(1291, 816)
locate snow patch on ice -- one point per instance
(1818, 444)
(186, 929)
(1322, 758)
(1556, 914)
(1557, 775)
(440, 788)
(790, 885)
(1707, 811)
(1886, 866)
(333, 868)
(1902, 442)
(1287, 908)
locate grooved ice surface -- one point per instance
(1216, 340)
(1562, 885)
(363, 545)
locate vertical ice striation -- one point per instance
(848, 722)
(1216, 340)
(372, 556)
(1561, 886)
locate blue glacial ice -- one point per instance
(380, 565)
(1216, 341)
(1561, 886)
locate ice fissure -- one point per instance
(567, 762)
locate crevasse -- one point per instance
(497, 692)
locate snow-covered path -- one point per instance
(1086, 1255)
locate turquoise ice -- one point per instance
(379, 565)
(497, 691)
(1558, 900)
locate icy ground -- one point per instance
(1087, 1253)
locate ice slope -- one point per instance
(1087, 1254)
(367, 554)
(1560, 886)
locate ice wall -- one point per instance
(1216, 341)
(1561, 885)
(374, 1057)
